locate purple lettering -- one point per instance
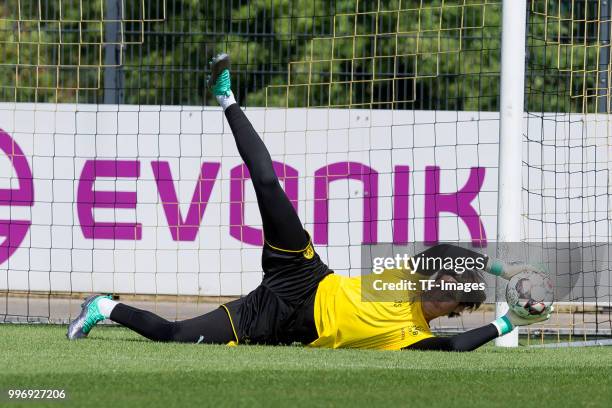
(457, 203)
(15, 231)
(401, 195)
(88, 199)
(238, 176)
(343, 171)
(184, 230)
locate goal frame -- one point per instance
(512, 101)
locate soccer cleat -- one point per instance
(90, 315)
(219, 81)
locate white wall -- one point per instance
(57, 140)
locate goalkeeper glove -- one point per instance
(510, 320)
(505, 270)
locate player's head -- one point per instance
(442, 301)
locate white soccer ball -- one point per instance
(530, 293)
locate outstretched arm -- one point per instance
(493, 266)
(472, 339)
(468, 341)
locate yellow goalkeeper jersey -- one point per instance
(344, 320)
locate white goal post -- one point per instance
(510, 138)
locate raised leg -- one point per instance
(282, 226)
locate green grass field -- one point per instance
(116, 368)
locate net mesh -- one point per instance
(385, 54)
(566, 177)
(401, 91)
(52, 50)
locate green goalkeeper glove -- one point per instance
(505, 270)
(510, 320)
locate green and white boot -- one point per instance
(90, 316)
(220, 81)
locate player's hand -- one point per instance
(517, 320)
(510, 320)
(508, 270)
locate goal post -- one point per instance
(511, 119)
(389, 121)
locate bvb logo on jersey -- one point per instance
(309, 251)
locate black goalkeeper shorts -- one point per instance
(281, 309)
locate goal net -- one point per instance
(566, 171)
(381, 116)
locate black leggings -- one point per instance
(281, 225)
(212, 328)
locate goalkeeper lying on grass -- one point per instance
(300, 299)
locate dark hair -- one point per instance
(470, 300)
